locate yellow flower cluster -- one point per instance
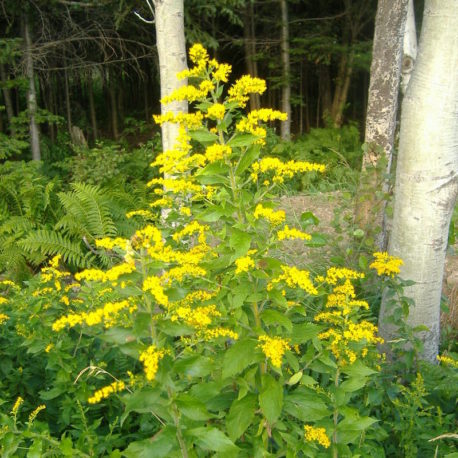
(274, 217)
(189, 93)
(216, 111)
(107, 391)
(282, 170)
(245, 263)
(313, 434)
(190, 229)
(334, 274)
(239, 91)
(199, 317)
(386, 264)
(287, 233)
(175, 185)
(153, 284)
(142, 213)
(447, 361)
(178, 273)
(293, 277)
(3, 300)
(250, 124)
(51, 272)
(220, 72)
(188, 120)
(217, 152)
(107, 314)
(364, 330)
(150, 359)
(3, 318)
(34, 414)
(273, 348)
(17, 405)
(109, 244)
(109, 275)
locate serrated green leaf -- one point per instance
(274, 317)
(239, 140)
(240, 416)
(239, 356)
(203, 136)
(248, 158)
(304, 332)
(158, 447)
(271, 398)
(192, 408)
(212, 439)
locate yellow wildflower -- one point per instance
(386, 264)
(216, 111)
(244, 86)
(3, 318)
(274, 217)
(221, 72)
(293, 277)
(153, 284)
(106, 391)
(313, 434)
(142, 213)
(274, 348)
(217, 152)
(447, 361)
(17, 405)
(34, 414)
(245, 263)
(198, 53)
(287, 233)
(150, 359)
(3, 300)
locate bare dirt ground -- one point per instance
(334, 210)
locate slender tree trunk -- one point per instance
(31, 94)
(171, 49)
(427, 172)
(92, 113)
(286, 88)
(7, 98)
(324, 92)
(381, 117)
(113, 105)
(342, 84)
(409, 48)
(249, 36)
(68, 109)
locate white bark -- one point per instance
(409, 48)
(31, 95)
(171, 47)
(286, 90)
(427, 171)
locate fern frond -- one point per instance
(52, 243)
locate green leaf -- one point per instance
(274, 317)
(308, 218)
(358, 369)
(353, 384)
(304, 332)
(141, 401)
(317, 240)
(158, 447)
(52, 393)
(240, 416)
(194, 366)
(212, 439)
(241, 355)
(203, 136)
(35, 451)
(192, 408)
(271, 398)
(295, 378)
(248, 158)
(240, 242)
(305, 406)
(239, 140)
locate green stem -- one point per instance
(176, 419)
(335, 419)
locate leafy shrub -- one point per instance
(198, 341)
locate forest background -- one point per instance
(80, 83)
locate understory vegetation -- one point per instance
(149, 311)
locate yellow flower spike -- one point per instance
(244, 86)
(106, 391)
(34, 414)
(198, 53)
(150, 359)
(313, 434)
(273, 348)
(216, 111)
(274, 217)
(386, 264)
(17, 405)
(287, 233)
(3, 318)
(293, 277)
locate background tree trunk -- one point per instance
(381, 116)
(171, 48)
(31, 94)
(249, 36)
(7, 98)
(427, 171)
(286, 87)
(409, 48)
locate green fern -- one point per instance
(52, 243)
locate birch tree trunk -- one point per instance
(427, 171)
(31, 94)
(381, 117)
(409, 48)
(286, 89)
(249, 37)
(171, 47)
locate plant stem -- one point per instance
(335, 418)
(175, 414)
